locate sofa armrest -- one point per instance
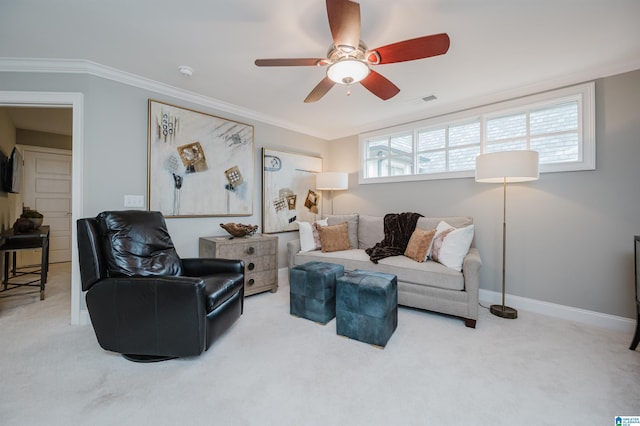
(471, 272)
(293, 248)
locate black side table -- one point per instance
(14, 242)
(636, 251)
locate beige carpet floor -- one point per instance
(275, 369)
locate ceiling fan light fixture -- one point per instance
(347, 71)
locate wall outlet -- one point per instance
(134, 201)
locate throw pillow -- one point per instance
(451, 246)
(419, 244)
(309, 237)
(334, 237)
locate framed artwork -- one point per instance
(198, 164)
(288, 190)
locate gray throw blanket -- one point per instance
(398, 228)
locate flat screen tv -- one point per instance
(12, 172)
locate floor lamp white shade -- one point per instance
(512, 166)
(332, 181)
(506, 167)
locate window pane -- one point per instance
(511, 126)
(557, 149)
(402, 144)
(401, 165)
(465, 134)
(431, 139)
(432, 162)
(463, 158)
(377, 148)
(507, 146)
(378, 168)
(555, 119)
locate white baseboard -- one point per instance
(584, 316)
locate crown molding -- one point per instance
(81, 66)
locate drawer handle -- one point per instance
(251, 282)
(251, 250)
(251, 266)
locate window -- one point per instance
(559, 125)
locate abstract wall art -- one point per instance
(288, 190)
(198, 164)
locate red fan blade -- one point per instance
(380, 86)
(293, 62)
(344, 21)
(410, 50)
(320, 90)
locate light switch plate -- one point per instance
(134, 201)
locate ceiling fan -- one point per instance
(349, 60)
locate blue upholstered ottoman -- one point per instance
(367, 306)
(313, 290)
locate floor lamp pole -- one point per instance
(502, 310)
(332, 201)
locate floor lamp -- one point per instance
(332, 181)
(506, 167)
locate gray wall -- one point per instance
(570, 235)
(115, 149)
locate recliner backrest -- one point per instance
(137, 243)
(93, 266)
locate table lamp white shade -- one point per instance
(334, 181)
(509, 166)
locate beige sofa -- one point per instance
(424, 285)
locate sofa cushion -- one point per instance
(428, 273)
(352, 224)
(419, 244)
(334, 237)
(454, 221)
(370, 231)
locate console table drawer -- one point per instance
(260, 256)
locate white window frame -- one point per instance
(583, 93)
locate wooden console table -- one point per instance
(13, 242)
(260, 255)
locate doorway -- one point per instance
(75, 101)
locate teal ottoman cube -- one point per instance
(367, 306)
(313, 290)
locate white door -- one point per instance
(47, 188)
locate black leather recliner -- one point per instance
(144, 301)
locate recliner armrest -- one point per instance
(197, 266)
(149, 315)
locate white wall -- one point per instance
(570, 235)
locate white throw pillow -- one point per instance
(307, 240)
(450, 245)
